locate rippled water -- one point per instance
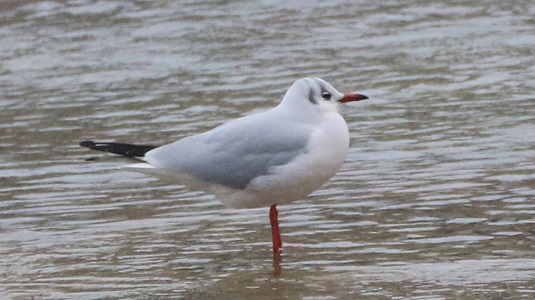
(436, 200)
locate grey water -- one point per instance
(436, 199)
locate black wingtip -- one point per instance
(128, 150)
(87, 144)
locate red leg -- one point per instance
(275, 233)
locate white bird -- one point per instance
(270, 158)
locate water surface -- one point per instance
(436, 200)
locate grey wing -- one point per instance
(235, 153)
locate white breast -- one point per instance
(327, 150)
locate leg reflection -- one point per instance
(277, 270)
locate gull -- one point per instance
(265, 159)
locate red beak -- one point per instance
(352, 97)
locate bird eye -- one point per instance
(326, 95)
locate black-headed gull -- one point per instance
(265, 159)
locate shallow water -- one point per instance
(436, 200)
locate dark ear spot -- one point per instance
(311, 96)
(310, 93)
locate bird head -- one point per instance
(316, 92)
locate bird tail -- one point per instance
(128, 150)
